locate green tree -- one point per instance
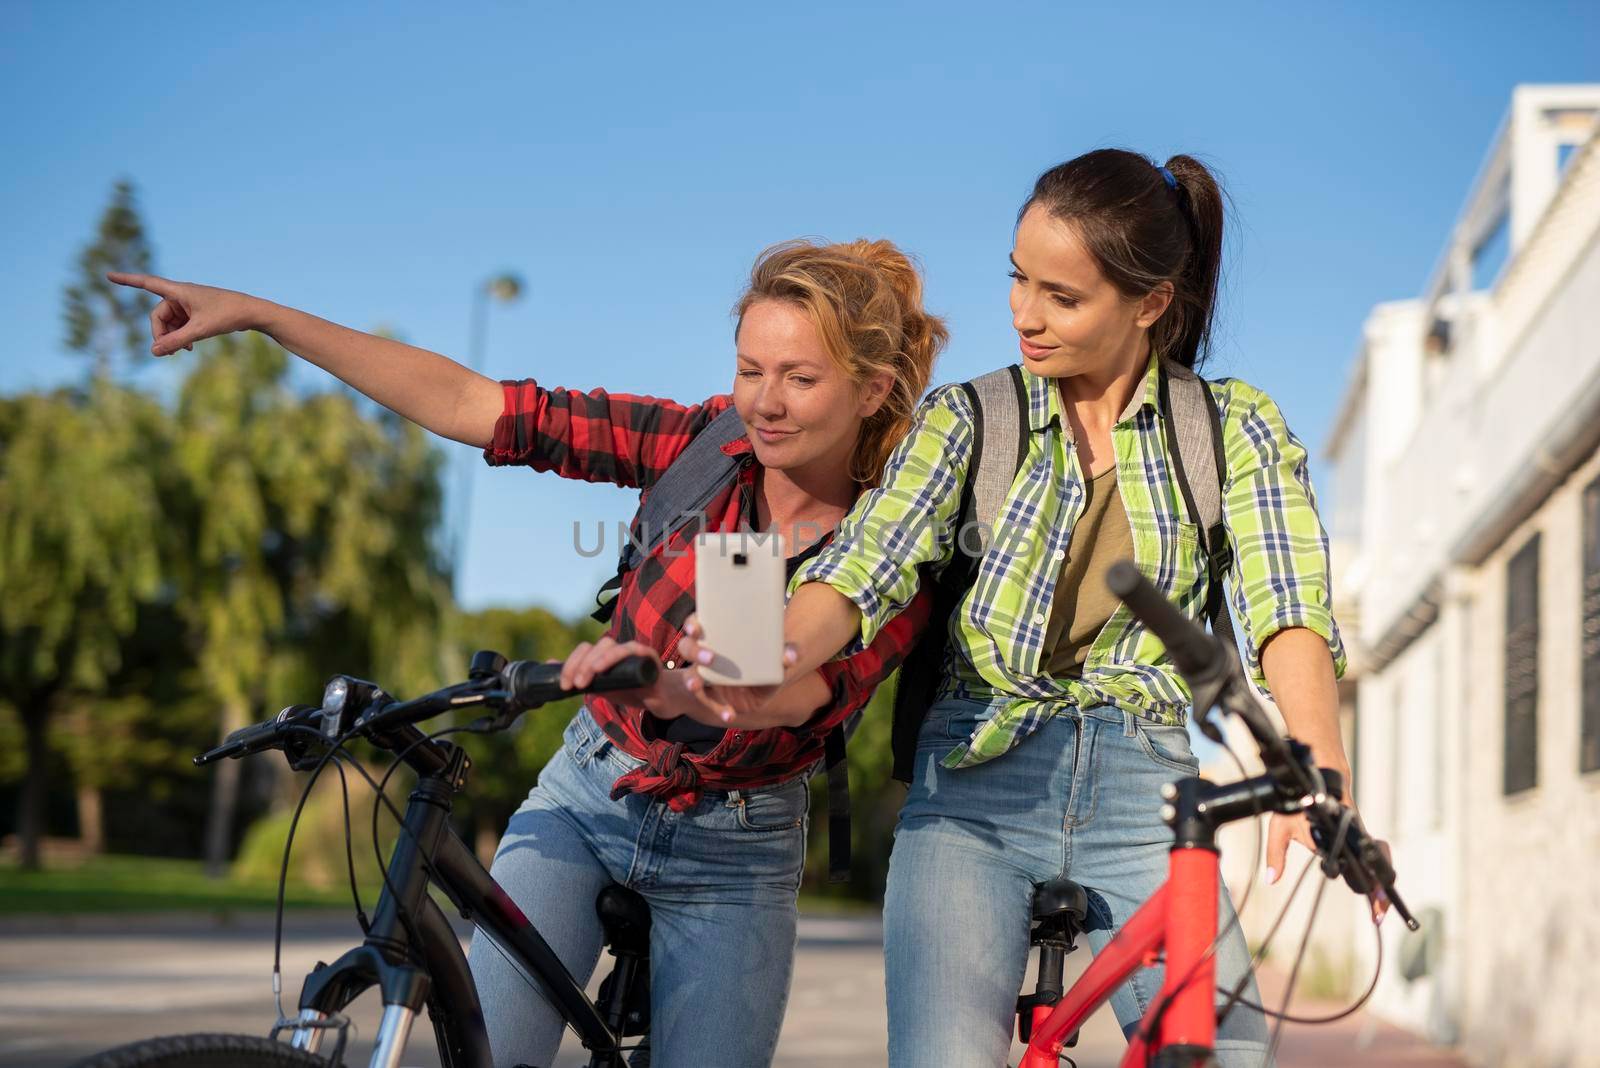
(505, 766)
(309, 524)
(102, 318)
(81, 529)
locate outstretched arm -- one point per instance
(431, 390)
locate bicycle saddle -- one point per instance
(625, 918)
(1060, 899)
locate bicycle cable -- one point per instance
(378, 790)
(1294, 971)
(1266, 943)
(349, 854)
(1351, 1009)
(288, 845)
(332, 752)
(381, 801)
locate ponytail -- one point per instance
(1184, 332)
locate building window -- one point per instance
(1522, 669)
(1589, 743)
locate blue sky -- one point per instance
(372, 164)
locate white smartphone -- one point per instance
(738, 590)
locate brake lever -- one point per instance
(1378, 869)
(1360, 862)
(497, 721)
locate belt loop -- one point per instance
(1130, 724)
(599, 741)
(735, 799)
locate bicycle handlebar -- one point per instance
(516, 688)
(1215, 677)
(534, 682)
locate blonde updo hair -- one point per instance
(865, 299)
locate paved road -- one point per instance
(68, 990)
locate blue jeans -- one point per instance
(1079, 798)
(721, 879)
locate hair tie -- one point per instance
(1166, 176)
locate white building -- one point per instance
(1466, 529)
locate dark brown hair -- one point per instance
(865, 299)
(1143, 231)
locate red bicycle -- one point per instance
(1179, 922)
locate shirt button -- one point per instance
(1059, 555)
(670, 663)
(1038, 619)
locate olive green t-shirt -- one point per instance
(1082, 603)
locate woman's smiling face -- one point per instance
(1070, 319)
(798, 405)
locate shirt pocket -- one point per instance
(1184, 561)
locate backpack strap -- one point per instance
(678, 496)
(838, 772)
(1193, 426)
(999, 402)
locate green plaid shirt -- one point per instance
(1279, 577)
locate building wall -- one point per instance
(1530, 915)
(1451, 437)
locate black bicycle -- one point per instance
(410, 952)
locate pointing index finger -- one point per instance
(150, 283)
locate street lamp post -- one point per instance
(504, 287)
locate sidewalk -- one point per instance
(149, 975)
(1359, 1039)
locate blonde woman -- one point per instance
(833, 350)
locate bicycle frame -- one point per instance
(429, 850)
(1180, 917)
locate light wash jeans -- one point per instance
(721, 879)
(1079, 798)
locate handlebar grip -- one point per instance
(534, 682)
(258, 736)
(1193, 650)
(629, 674)
(253, 735)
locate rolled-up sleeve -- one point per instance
(907, 522)
(596, 436)
(1281, 575)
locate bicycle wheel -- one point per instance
(205, 1051)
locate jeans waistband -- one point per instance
(585, 739)
(1127, 719)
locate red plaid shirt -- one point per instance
(613, 437)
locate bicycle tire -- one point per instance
(205, 1051)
